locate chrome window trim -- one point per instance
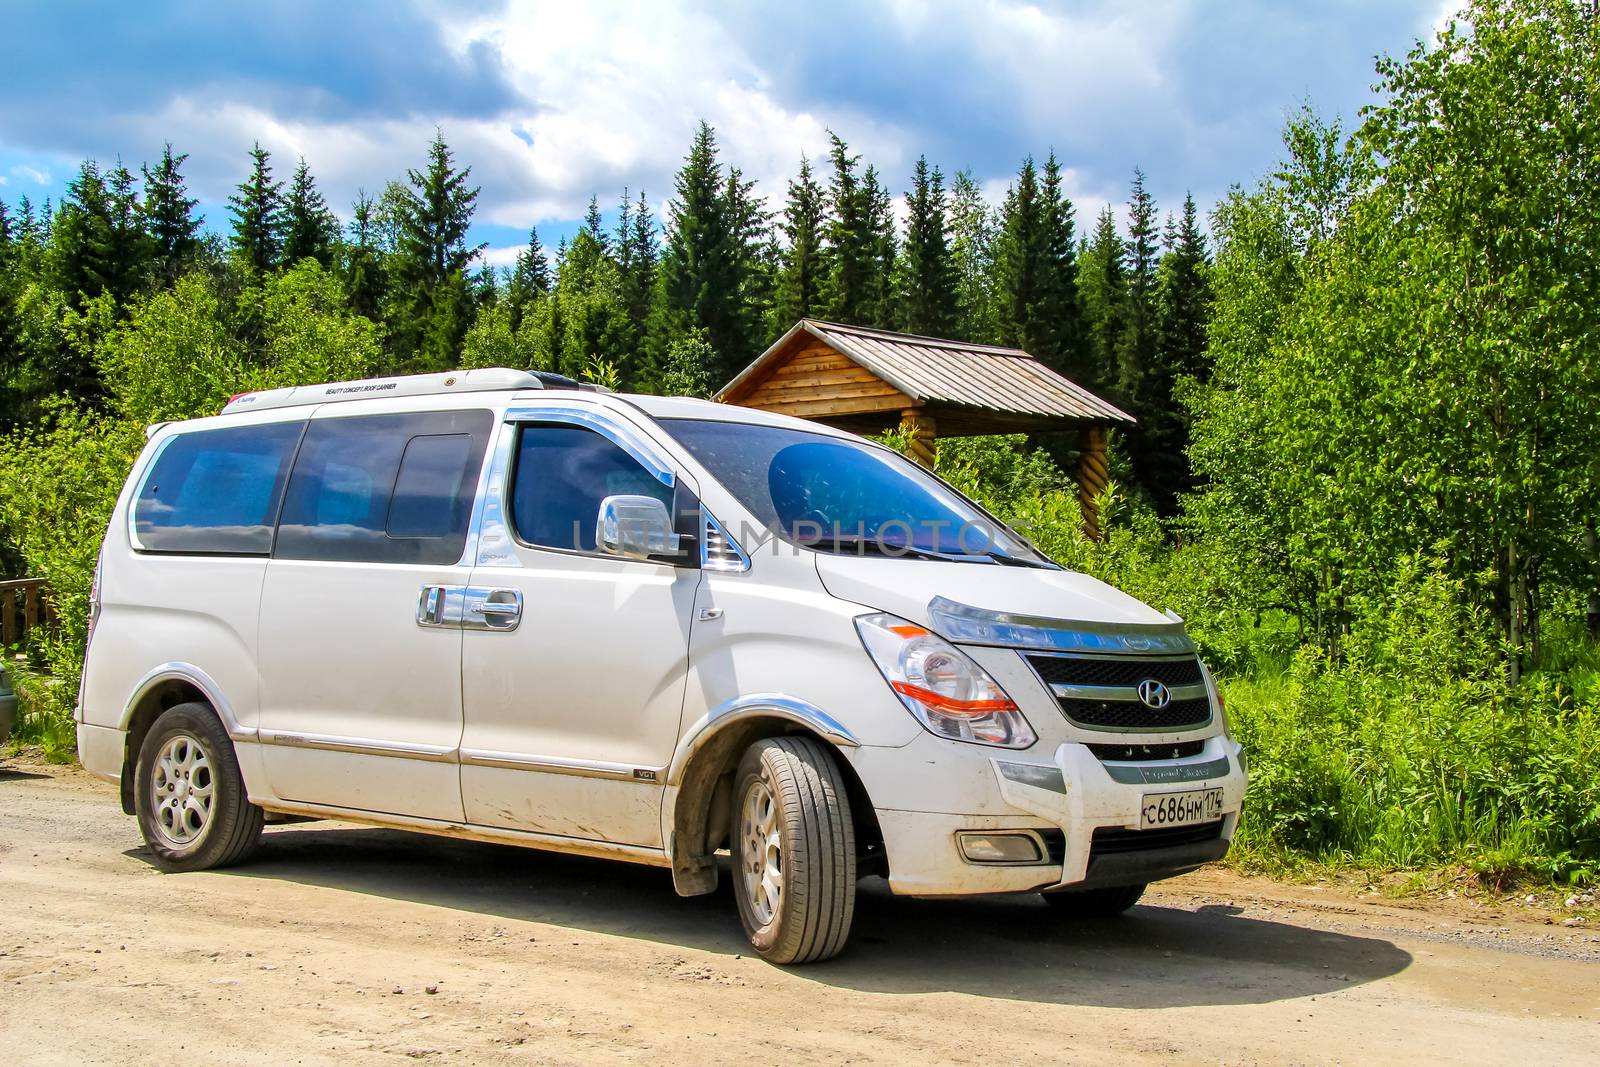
(965, 624)
(497, 523)
(618, 433)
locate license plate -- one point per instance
(1180, 809)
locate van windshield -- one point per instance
(836, 495)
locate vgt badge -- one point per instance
(1154, 694)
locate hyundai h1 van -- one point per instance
(494, 605)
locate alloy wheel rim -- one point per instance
(182, 790)
(761, 854)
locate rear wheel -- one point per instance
(1095, 903)
(189, 795)
(794, 850)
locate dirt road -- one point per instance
(348, 945)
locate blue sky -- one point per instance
(552, 101)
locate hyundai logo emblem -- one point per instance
(1154, 694)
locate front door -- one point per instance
(572, 710)
(360, 701)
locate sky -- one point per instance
(552, 102)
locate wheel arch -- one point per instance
(700, 779)
(165, 687)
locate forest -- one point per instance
(1365, 468)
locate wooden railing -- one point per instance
(24, 605)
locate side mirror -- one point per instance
(637, 527)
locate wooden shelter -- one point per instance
(868, 381)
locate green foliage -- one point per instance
(494, 341)
(683, 371)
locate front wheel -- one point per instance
(794, 850)
(1095, 903)
(189, 795)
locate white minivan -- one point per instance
(492, 604)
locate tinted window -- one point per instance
(216, 491)
(562, 474)
(384, 488)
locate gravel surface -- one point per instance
(348, 945)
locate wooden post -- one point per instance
(1093, 476)
(921, 432)
(8, 618)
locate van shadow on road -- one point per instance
(1007, 947)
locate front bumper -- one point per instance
(1063, 802)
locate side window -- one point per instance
(384, 488)
(216, 491)
(562, 474)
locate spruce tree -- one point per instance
(1137, 351)
(1183, 305)
(699, 285)
(592, 223)
(82, 242)
(131, 247)
(1060, 313)
(972, 240)
(169, 216)
(803, 273)
(1019, 266)
(310, 229)
(643, 256)
(530, 279)
(431, 306)
(861, 241)
(927, 290)
(362, 267)
(257, 208)
(1103, 293)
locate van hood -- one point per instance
(906, 587)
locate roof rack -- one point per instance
(489, 379)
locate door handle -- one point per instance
(493, 609)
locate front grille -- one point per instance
(1134, 715)
(1110, 839)
(1131, 670)
(1145, 753)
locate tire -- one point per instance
(791, 837)
(186, 760)
(1095, 903)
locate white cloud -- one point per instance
(32, 174)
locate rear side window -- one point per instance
(216, 491)
(562, 474)
(384, 488)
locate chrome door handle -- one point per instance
(493, 609)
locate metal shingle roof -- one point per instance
(929, 369)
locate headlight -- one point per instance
(950, 694)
